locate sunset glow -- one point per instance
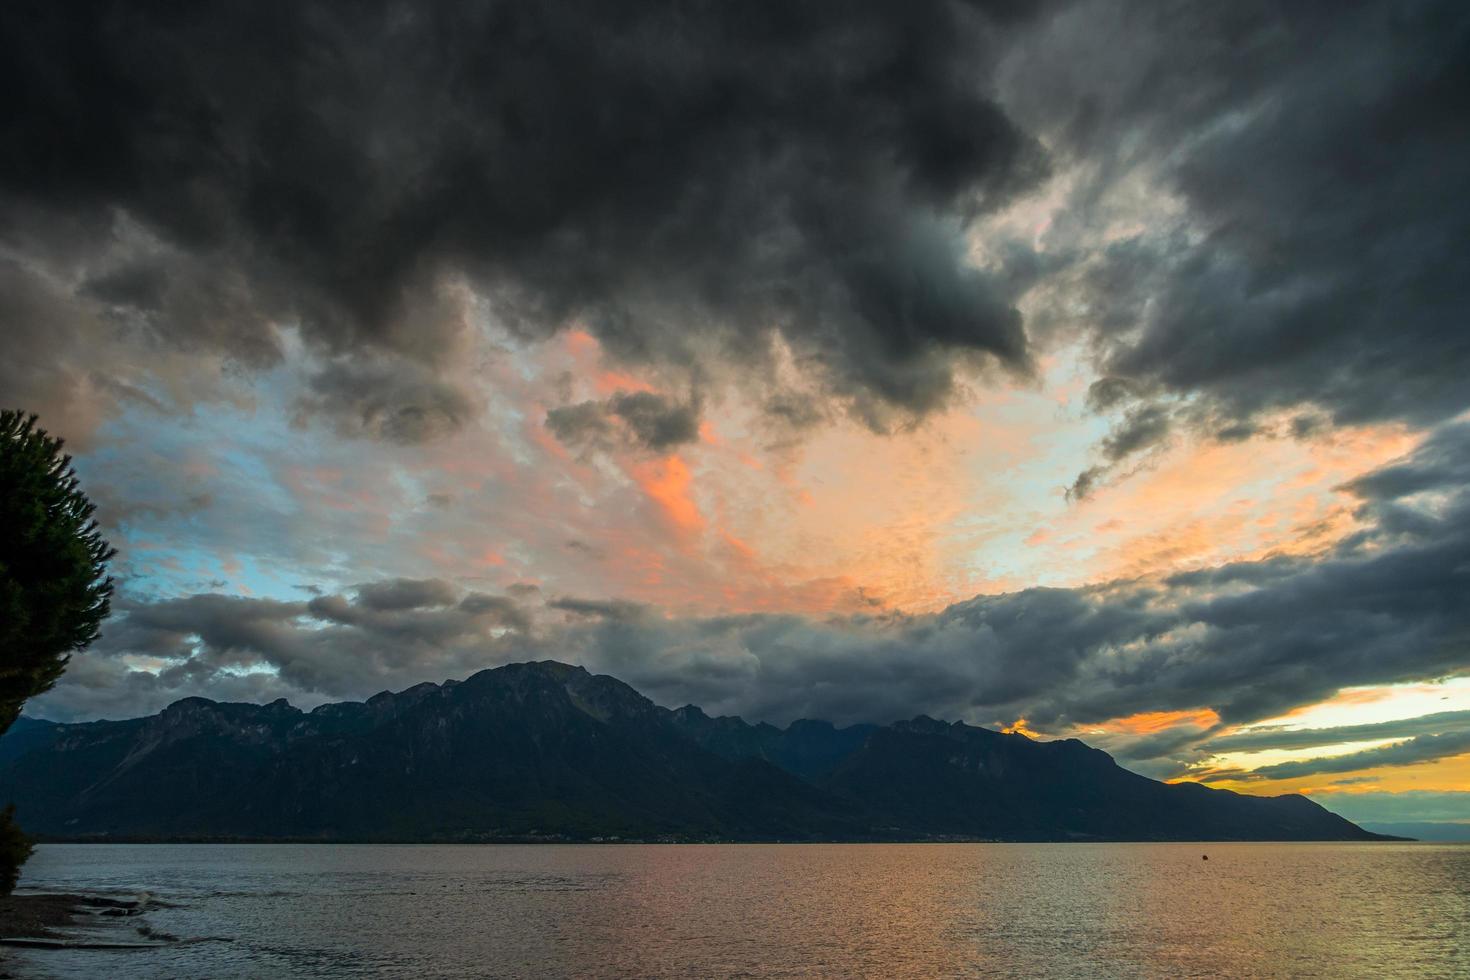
(996, 380)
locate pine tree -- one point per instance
(54, 589)
(54, 592)
(15, 848)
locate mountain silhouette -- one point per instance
(546, 751)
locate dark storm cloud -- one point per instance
(614, 610)
(173, 629)
(45, 363)
(584, 424)
(1105, 393)
(405, 593)
(794, 411)
(680, 180)
(654, 421)
(684, 182)
(497, 609)
(1082, 487)
(1236, 432)
(1168, 755)
(1441, 464)
(1142, 428)
(391, 634)
(393, 402)
(641, 418)
(1319, 155)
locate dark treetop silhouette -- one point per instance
(53, 587)
(53, 562)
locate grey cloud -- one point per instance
(1316, 153)
(1421, 748)
(793, 411)
(391, 634)
(683, 183)
(392, 401)
(1303, 738)
(1142, 428)
(1306, 425)
(51, 350)
(688, 185)
(616, 610)
(1087, 481)
(104, 687)
(1440, 464)
(226, 623)
(1109, 392)
(641, 418)
(497, 609)
(654, 421)
(1236, 432)
(114, 507)
(1187, 751)
(404, 593)
(584, 424)
(1162, 755)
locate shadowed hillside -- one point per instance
(549, 751)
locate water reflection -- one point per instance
(782, 910)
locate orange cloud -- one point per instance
(579, 342)
(744, 551)
(1205, 502)
(608, 382)
(1149, 722)
(668, 483)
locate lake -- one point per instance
(796, 910)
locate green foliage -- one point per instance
(15, 847)
(53, 561)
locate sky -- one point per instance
(1087, 369)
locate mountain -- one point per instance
(548, 751)
(1447, 832)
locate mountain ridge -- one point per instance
(549, 751)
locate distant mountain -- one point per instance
(548, 751)
(1446, 832)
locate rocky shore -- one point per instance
(40, 916)
(66, 921)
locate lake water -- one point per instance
(920, 910)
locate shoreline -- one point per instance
(69, 921)
(40, 916)
(604, 841)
